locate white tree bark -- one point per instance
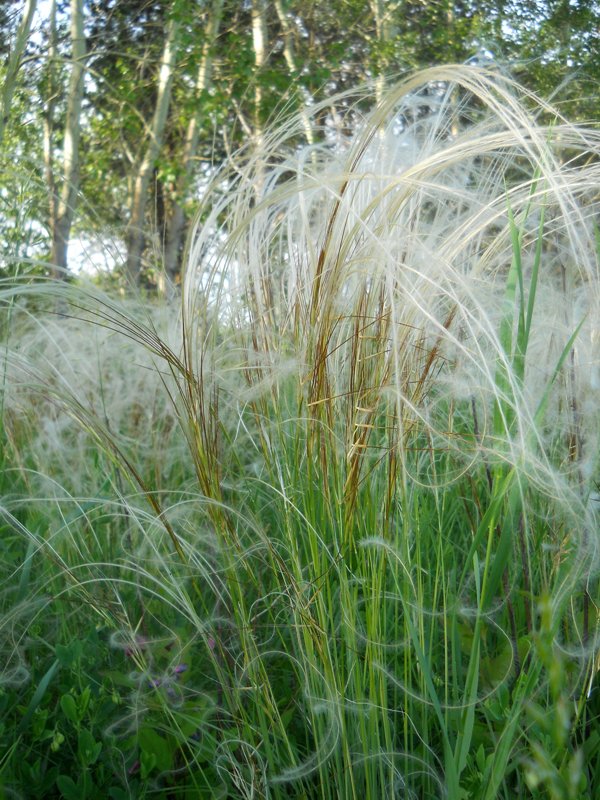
(292, 64)
(48, 119)
(67, 202)
(135, 228)
(177, 220)
(14, 63)
(259, 41)
(381, 12)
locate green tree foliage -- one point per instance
(311, 49)
(552, 47)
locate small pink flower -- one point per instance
(211, 643)
(180, 668)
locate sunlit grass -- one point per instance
(334, 534)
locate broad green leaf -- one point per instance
(152, 743)
(88, 748)
(38, 695)
(68, 788)
(69, 708)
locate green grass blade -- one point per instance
(533, 283)
(38, 695)
(504, 548)
(26, 571)
(464, 739)
(542, 405)
(495, 772)
(489, 520)
(451, 772)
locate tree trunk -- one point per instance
(290, 60)
(381, 12)
(259, 41)
(67, 201)
(48, 120)
(176, 223)
(135, 239)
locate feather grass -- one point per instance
(383, 533)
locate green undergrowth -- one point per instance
(334, 534)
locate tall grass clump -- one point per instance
(370, 570)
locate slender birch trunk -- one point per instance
(381, 12)
(176, 223)
(14, 63)
(67, 201)
(48, 119)
(454, 125)
(259, 41)
(290, 59)
(135, 239)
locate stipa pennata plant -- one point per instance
(110, 375)
(386, 384)
(435, 286)
(417, 224)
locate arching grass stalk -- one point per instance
(505, 514)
